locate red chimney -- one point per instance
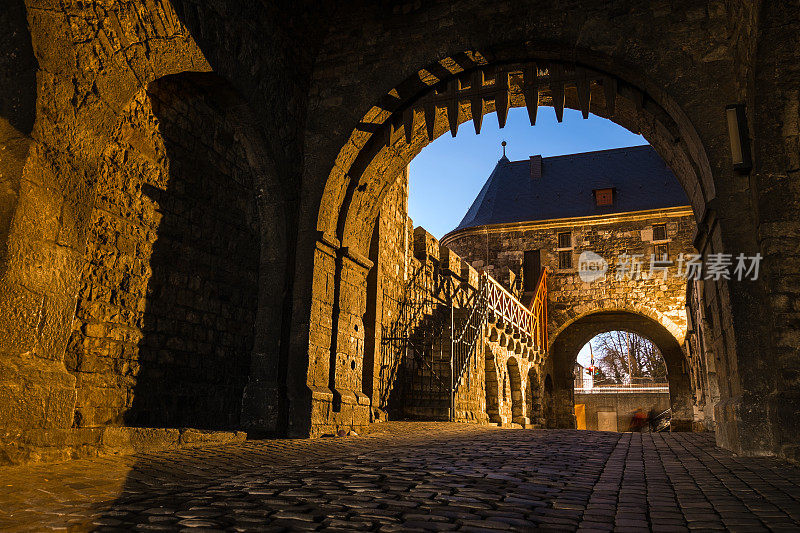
(536, 167)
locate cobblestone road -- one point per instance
(415, 477)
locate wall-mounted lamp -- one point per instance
(740, 142)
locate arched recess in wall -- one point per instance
(515, 384)
(548, 402)
(564, 352)
(533, 397)
(440, 97)
(493, 386)
(182, 291)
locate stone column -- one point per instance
(350, 404)
(311, 401)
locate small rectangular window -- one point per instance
(604, 196)
(659, 232)
(565, 240)
(660, 251)
(565, 259)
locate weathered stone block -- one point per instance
(35, 393)
(449, 261)
(425, 245)
(469, 275)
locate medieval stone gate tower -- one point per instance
(189, 189)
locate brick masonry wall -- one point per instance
(164, 321)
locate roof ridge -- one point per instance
(642, 179)
(637, 147)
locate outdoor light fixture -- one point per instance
(740, 143)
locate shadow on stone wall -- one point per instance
(194, 356)
(18, 68)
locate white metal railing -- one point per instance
(532, 322)
(621, 388)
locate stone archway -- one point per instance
(329, 97)
(566, 345)
(348, 144)
(493, 387)
(549, 403)
(390, 135)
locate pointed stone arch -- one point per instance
(533, 397)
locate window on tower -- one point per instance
(604, 196)
(565, 249)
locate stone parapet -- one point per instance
(426, 246)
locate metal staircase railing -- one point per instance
(493, 297)
(422, 320)
(529, 321)
(465, 339)
(411, 337)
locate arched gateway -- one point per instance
(313, 121)
(434, 100)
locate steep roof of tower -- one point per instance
(639, 178)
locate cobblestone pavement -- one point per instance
(415, 477)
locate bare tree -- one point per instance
(620, 354)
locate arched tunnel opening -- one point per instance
(575, 336)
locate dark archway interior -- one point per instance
(492, 387)
(18, 63)
(565, 348)
(18, 94)
(203, 291)
(548, 402)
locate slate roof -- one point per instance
(639, 176)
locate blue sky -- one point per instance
(448, 174)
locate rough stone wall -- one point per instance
(494, 386)
(68, 73)
(513, 394)
(392, 254)
(683, 55)
(167, 300)
(498, 250)
(702, 359)
(773, 99)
